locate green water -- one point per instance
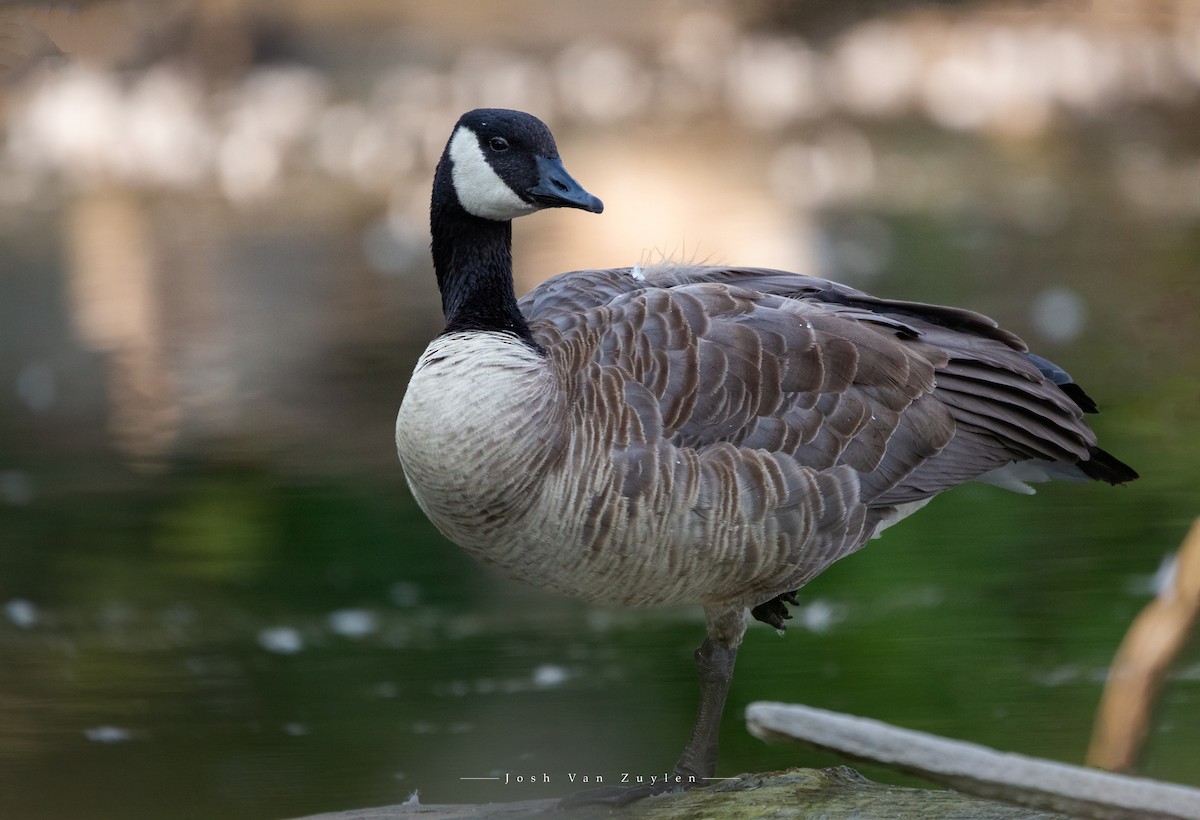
(242, 638)
(224, 642)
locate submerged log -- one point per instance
(832, 794)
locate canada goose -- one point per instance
(695, 434)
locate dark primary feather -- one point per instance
(912, 398)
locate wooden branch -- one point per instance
(976, 769)
(1142, 662)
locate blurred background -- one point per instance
(217, 597)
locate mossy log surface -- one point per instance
(830, 794)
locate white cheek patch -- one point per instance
(480, 190)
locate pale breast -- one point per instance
(471, 431)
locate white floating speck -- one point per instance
(549, 675)
(16, 488)
(405, 594)
(353, 623)
(282, 639)
(599, 620)
(1059, 676)
(107, 734)
(295, 729)
(37, 387)
(1059, 314)
(819, 616)
(21, 612)
(385, 689)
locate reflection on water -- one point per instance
(114, 303)
(216, 597)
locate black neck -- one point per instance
(473, 260)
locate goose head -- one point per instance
(501, 164)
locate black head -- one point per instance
(503, 164)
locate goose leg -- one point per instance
(714, 666)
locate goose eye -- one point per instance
(498, 144)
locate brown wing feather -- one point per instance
(810, 408)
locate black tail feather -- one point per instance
(1103, 466)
